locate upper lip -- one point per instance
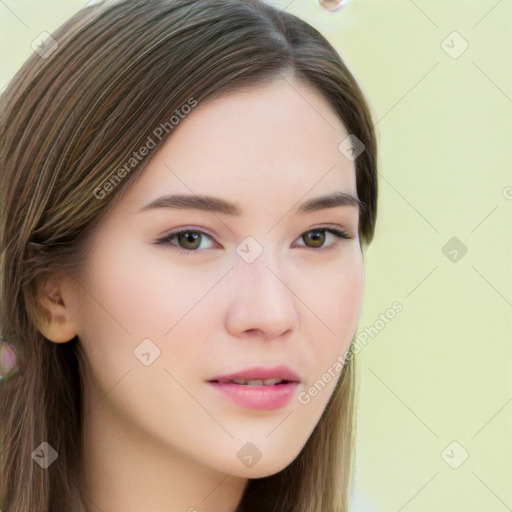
(260, 373)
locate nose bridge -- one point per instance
(261, 300)
(257, 269)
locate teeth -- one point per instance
(271, 382)
(266, 382)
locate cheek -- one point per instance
(346, 305)
(334, 314)
(337, 298)
(140, 289)
(129, 300)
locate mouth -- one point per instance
(253, 382)
(260, 376)
(258, 388)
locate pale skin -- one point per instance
(157, 437)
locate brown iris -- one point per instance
(317, 237)
(189, 237)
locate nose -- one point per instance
(262, 302)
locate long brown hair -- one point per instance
(70, 119)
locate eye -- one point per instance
(189, 240)
(318, 236)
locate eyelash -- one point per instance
(339, 234)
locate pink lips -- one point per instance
(264, 397)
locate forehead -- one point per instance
(272, 143)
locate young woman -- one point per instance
(187, 187)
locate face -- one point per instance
(168, 321)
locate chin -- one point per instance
(260, 470)
(260, 466)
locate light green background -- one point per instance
(440, 371)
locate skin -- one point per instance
(157, 437)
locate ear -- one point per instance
(57, 325)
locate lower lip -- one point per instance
(263, 398)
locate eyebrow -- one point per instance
(218, 205)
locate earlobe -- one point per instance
(57, 326)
